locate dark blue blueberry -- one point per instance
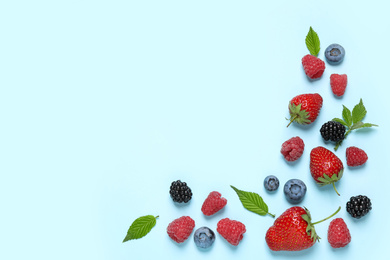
(271, 183)
(204, 237)
(334, 53)
(294, 190)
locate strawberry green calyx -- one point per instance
(322, 181)
(298, 115)
(310, 230)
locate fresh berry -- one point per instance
(231, 230)
(355, 156)
(180, 229)
(294, 190)
(292, 149)
(271, 183)
(335, 53)
(305, 108)
(313, 66)
(213, 203)
(338, 233)
(325, 167)
(359, 206)
(293, 230)
(333, 131)
(204, 237)
(180, 192)
(338, 84)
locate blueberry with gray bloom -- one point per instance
(204, 237)
(334, 53)
(271, 183)
(294, 190)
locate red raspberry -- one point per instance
(313, 66)
(180, 229)
(293, 148)
(213, 203)
(355, 156)
(338, 83)
(231, 230)
(338, 233)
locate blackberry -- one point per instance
(333, 131)
(180, 192)
(359, 206)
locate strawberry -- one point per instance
(293, 230)
(325, 167)
(305, 108)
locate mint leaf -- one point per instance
(347, 115)
(341, 121)
(252, 202)
(313, 42)
(140, 227)
(368, 125)
(358, 112)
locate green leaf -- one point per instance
(341, 121)
(140, 227)
(313, 42)
(358, 112)
(368, 125)
(347, 115)
(252, 202)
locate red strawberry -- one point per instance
(338, 84)
(305, 108)
(180, 229)
(213, 203)
(325, 167)
(355, 156)
(313, 66)
(231, 230)
(338, 233)
(293, 230)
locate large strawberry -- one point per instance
(325, 167)
(293, 230)
(305, 108)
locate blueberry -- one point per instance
(334, 53)
(204, 237)
(294, 190)
(271, 183)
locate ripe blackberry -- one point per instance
(358, 206)
(180, 192)
(333, 131)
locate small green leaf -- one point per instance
(347, 115)
(312, 42)
(368, 125)
(252, 202)
(341, 121)
(358, 112)
(140, 227)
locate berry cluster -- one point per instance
(332, 131)
(180, 192)
(359, 206)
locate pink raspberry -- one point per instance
(338, 233)
(338, 84)
(180, 229)
(292, 149)
(313, 66)
(355, 156)
(231, 230)
(213, 203)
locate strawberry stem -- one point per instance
(337, 211)
(334, 186)
(292, 120)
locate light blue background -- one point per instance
(104, 103)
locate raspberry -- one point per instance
(213, 203)
(180, 192)
(313, 66)
(338, 84)
(338, 233)
(292, 149)
(359, 206)
(231, 230)
(180, 229)
(355, 156)
(333, 131)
